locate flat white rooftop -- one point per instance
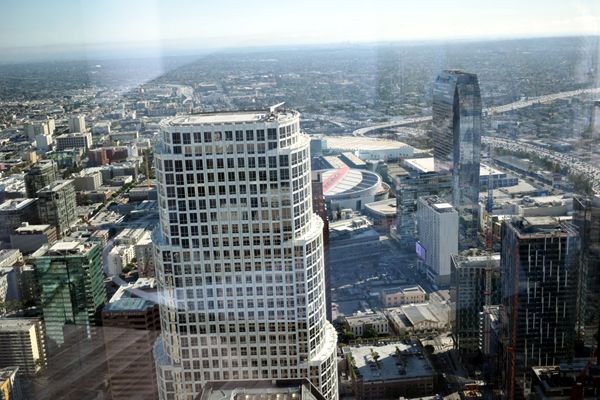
(33, 228)
(56, 185)
(421, 164)
(61, 246)
(442, 206)
(389, 368)
(218, 118)
(15, 204)
(16, 324)
(485, 170)
(354, 143)
(72, 134)
(238, 117)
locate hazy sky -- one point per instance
(235, 23)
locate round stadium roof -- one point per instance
(346, 182)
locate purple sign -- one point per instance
(421, 252)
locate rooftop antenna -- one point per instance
(272, 109)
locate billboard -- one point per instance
(421, 251)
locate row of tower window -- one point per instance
(220, 162)
(233, 135)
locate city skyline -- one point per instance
(283, 222)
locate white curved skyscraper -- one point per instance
(239, 255)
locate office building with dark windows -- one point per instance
(586, 218)
(540, 266)
(476, 284)
(71, 289)
(57, 206)
(43, 173)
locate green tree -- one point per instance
(375, 355)
(370, 332)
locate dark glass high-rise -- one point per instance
(457, 144)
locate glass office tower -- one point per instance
(540, 269)
(457, 144)
(239, 251)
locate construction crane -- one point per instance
(146, 157)
(489, 234)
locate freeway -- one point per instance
(572, 164)
(486, 111)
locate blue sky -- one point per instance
(238, 23)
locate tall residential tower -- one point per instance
(540, 268)
(457, 144)
(586, 218)
(239, 255)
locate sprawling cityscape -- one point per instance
(353, 221)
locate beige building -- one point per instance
(119, 257)
(88, 180)
(77, 124)
(77, 140)
(144, 254)
(22, 345)
(360, 324)
(399, 296)
(420, 318)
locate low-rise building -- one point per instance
(101, 128)
(124, 136)
(88, 180)
(12, 187)
(10, 257)
(282, 389)
(120, 180)
(28, 238)
(118, 257)
(130, 236)
(420, 319)
(12, 214)
(576, 380)
(367, 323)
(389, 371)
(144, 254)
(97, 157)
(77, 140)
(382, 212)
(398, 296)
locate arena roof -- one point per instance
(346, 181)
(354, 143)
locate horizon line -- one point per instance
(82, 52)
